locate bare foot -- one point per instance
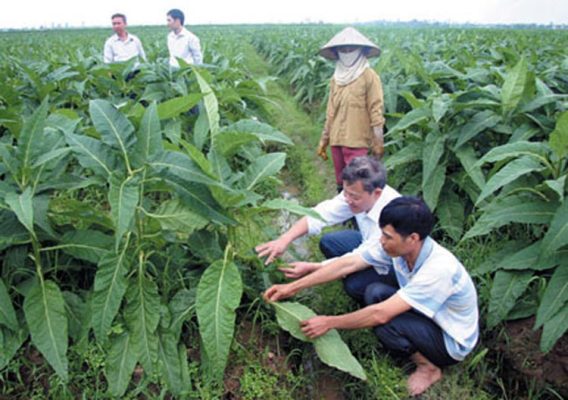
(426, 375)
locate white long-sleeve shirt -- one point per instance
(184, 45)
(117, 50)
(335, 211)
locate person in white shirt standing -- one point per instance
(122, 46)
(364, 196)
(181, 42)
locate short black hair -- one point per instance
(119, 15)
(177, 14)
(367, 170)
(407, 215)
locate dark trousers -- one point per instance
(409, 332)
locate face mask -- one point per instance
(348, 59)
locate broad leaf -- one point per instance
(559, 137)
(7, 312)
(514, 86)
(88, 245)
(264, 166)
(557, 235)
(264, 132)
(519, 209)
(175, 216)
(44, 309)
(109, 289)
(509, 173)
(123, 197)
(149, 134)
(479, 122)
(173, 362)
(32, 137)
(554, 329)
(174, 107)
(22, 205)
(115, 129)
(506, 289)
(451, 214)
(431, 154)
(119, 365)
(433, 187)
(218, 296)
(92, 154)
(331, 349)
(514, 150)
(142, 315)
(292, 206)
(210, 104)
(555, 297)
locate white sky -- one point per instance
(26, 13)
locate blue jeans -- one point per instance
(409, 332)
(336, 244)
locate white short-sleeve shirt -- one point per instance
(184, 45)
(117, 50)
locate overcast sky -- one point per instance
(26, 13)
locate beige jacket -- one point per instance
(353, 110)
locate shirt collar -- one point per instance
(425, 251)
(128, 37)
(181, 33)
(375, 212)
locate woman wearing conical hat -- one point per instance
(354, 121)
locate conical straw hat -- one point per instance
(349, 37)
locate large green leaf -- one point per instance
(557, 235)
(262, 167)
(451, 214)
(559, 137)
(480, 122)
(7, 312)
(142, 314)
(176, 106)
(198, 198)
(228, 143)
(88, 245)
(509, 173)
(44, 309)
(92, 154)
(182, 307)
(218, 296)
(506, 289)
(468, 159)
(180, 165)
(264, 132)
(431, 154)
(149, 134)
(554, 329)
(529, 259)
(519, 209)
(123, 197)
(433, 187)
(514, 86)
(412, 118)
(514, 150)
(22, 205)
(330, 348)
(175, 216)
(78, 316)
(119, 364)
(115, 129)
(210, 107)
(110, 286)
(173, 362)
(292, 206)
(32, 136)
(11, 342)
(406, 155)
(555, 297)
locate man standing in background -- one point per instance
(122, 46)
(181, 42)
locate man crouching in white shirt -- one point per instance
(429, 314)
(181, 42)
(122, 46)
(364, 196)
